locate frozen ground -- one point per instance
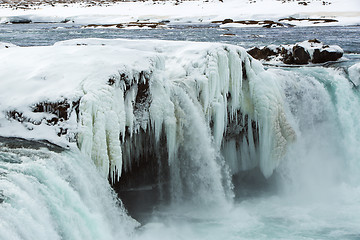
(345, 12)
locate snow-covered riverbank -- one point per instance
(298, 13)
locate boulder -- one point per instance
(300, 55)
(311, 51)
(324, 55)
(262, 53)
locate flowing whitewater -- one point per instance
(55, 195)
(229, 150)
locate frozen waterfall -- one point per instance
(202, 111)
(205, 100)
(194, 124)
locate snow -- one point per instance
(345, 11)
(6, 45)
(311, 46)
(190, 85)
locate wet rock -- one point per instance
(300, 55)
(262, 23)
(228, 20)
(325, 56)
(309, 20)
(262, 53)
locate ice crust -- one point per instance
(354, 74)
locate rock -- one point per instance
(300, 55)
(228, 34)
(309, 20)
(321, 56)
(311, 51)
(228, 20)
(314, 41)
(262, 53)
(303, 3)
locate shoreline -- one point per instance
(338, 13)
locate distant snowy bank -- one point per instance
(242, 13)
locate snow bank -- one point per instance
(190, 96)
(346, 12)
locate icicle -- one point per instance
(217, 87)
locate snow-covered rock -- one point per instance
(311, 51)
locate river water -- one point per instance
(314, 194)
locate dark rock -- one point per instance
(314, 41)
(312, 51)
(59, 112)
(325, 56)
(228, 20)
(300, 55)
(314, 20)
(229, 34)
(274, 24)
(302, 3)
(263, 53)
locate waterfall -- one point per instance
(57, 195)
(322, 105)
(189, 121)
(194, 101)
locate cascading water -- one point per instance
(56, 195)
(323, 105)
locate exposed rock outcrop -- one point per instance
(311, 51)
(263, 23)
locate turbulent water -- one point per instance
(52, 195)
(314, 193)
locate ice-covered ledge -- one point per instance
(197, 98)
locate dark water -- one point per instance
(48, 34)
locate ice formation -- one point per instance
(198, 103)
(182, 97)
(354, 74)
